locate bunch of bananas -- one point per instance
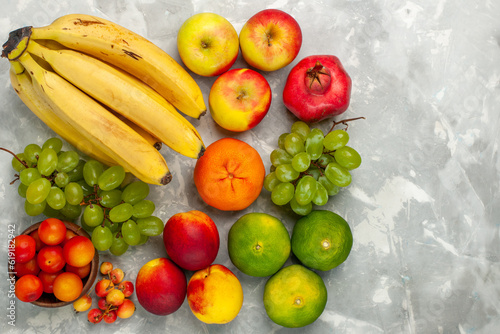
(109, 92)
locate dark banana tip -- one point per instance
(166, 179)
(158, 145)
(202, 151)
(202, 114)
(15, 36)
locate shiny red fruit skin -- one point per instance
(313, 106)
(161, 286)
(191, 240)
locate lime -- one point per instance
(321, 240)
(295, 296)
(258, 244)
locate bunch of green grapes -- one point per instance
(309, 167)
(59, 184)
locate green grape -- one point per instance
(71, 211)
(279, 157)
(32, 153)
(34, 209)
(135, 192)
(21, 190)
(29, 175)
(301, 210)
(271, 181)
(281, 140)
(38, 191)
(294, 144)
(129, 178)
(47, 161)
(92, 170)
(338, 175)
(56, 199)
(320, 196)
(347, 157)
(324, 160)
(77, 173)
(111, 178)
(102, 238)
(150, 226)
(53, 143)
(331, 189)
(335, 140)
(143, 240)
(67, 161)
(110, 198)
(50, 212)
(143, 209)
(118, 246)
(74, 193)
(87, 190)
(304, 192)
(61, 179)
(93, 215)
(314, 143)
(113, 227)
(301, 128)
(130, 233)
(282, 193)
(314, 172)
(85, 226)
(121, 212)
(18, 166)
(301, 162)
(286, 173)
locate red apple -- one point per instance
(191, 240)
(160, 286)
(239, 99)
(318, 87)
(270, 40)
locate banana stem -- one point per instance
(17, 43)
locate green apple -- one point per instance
(207, 44)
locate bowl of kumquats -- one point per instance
(52, 263)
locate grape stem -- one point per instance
(344, 121)
(15, 156)
(14, 181)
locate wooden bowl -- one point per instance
(48, 299)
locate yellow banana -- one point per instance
(125, 95)
(152, 140)
(97, 125)
(21, 82)
(130, 52)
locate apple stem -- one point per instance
(344, 121)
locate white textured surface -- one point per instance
(423, 207)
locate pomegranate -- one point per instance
(318, 87)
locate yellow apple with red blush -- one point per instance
(239, 99)
(208, 44)
(215, 295)
(270, 40)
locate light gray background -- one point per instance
(423, 207)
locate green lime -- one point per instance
(321, 240)
(295, 296)
(258, 244)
